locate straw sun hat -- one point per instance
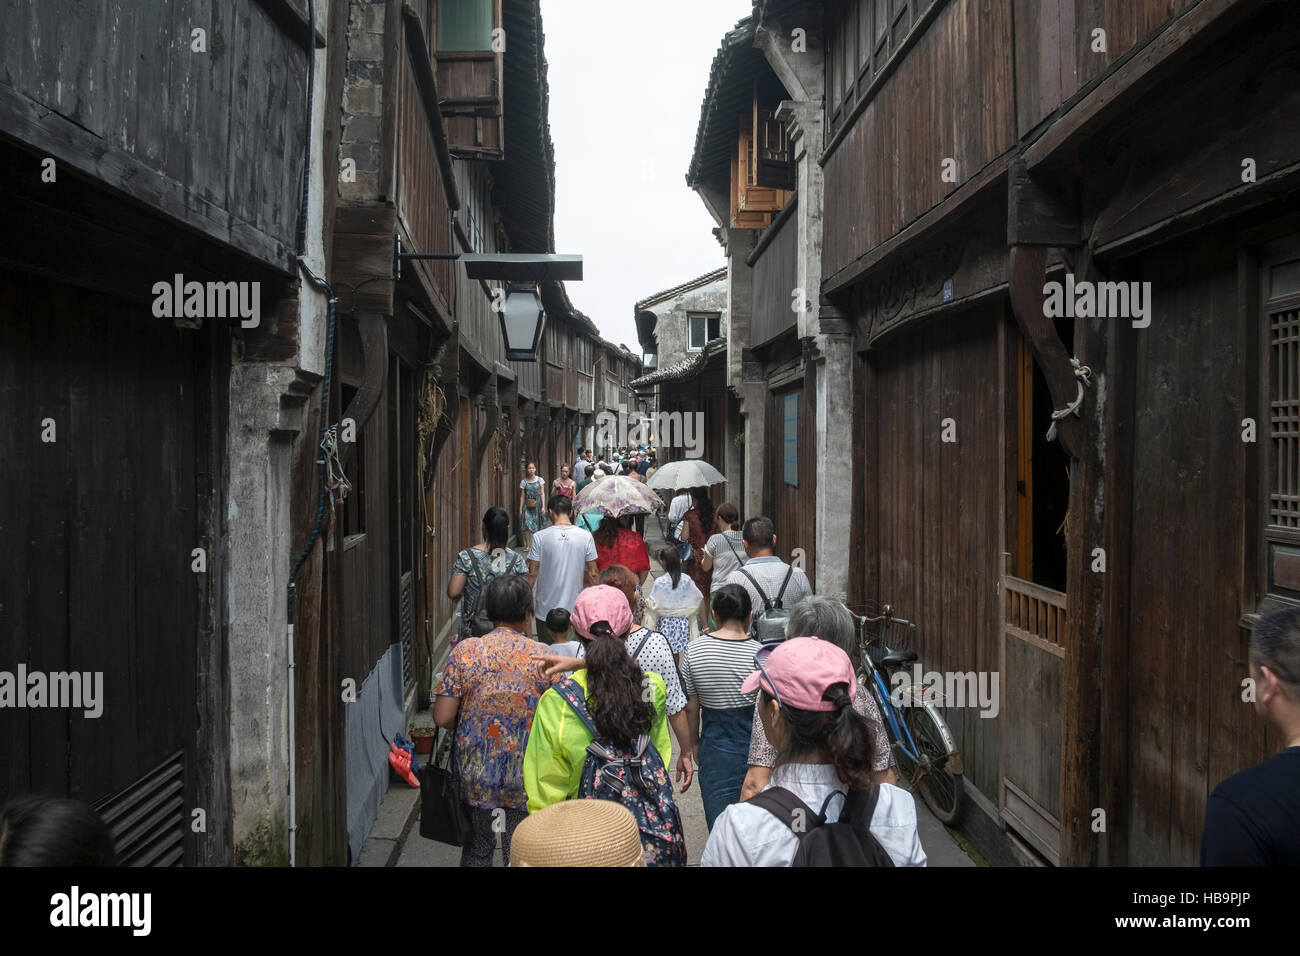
(578, 833)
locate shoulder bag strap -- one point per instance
(733, 549)
(636, 654)
(781, 593)
(787, 808)
(767, 604)
(574, 696)
(860, 806)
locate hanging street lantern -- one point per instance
(522, 320)
(522, 315)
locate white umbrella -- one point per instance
(688, 473)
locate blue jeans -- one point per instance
(724, 757)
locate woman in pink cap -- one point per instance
(805, 699)
(620, 708)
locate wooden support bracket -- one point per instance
(1025, 270)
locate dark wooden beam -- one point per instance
(25, 121)
(1026, 269)
(1036, 216)
(291, 17)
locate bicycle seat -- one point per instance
(888, 657)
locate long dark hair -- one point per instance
(52, 831)
(672, 562)
(496, 528)
(704, 506)
(606, 531)
(615, 684)
(843, 733)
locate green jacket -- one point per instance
(557, 745)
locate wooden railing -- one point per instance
(1035, 613)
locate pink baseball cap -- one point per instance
(601, 603)
(802, 668)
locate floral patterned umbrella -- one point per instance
(617, 495)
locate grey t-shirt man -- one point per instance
(561, 552)
(769, 571)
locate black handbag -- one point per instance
(443, 814)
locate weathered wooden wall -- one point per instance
(422, 195)
(950, 98)
(1187, 726)
(934, 507)
(775, 275)
(211, 139)
(1054, 46)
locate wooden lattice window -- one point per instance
(1282, 522)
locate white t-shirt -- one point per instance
(561, 552)
(568, 649)
(748, 835)
(678, 507)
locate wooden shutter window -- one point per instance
(1282, 523)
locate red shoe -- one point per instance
(400, 760)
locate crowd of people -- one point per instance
(570, 668)
(582, 665)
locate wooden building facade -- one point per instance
(975, 154)
(262, 620)
(745, 170)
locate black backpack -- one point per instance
(769, 623)
(846, 842)
(474, 621)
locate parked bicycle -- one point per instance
(923, 745)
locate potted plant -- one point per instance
(422, 737)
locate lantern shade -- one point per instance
(522, 321)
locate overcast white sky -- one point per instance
(627, 80)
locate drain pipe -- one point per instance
(293, 738)
(321, 284)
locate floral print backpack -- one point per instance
(637, 780)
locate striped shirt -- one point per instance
(728, 550)
(713, 668)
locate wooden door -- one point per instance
(100, 510)
(1033, 615)
(791, 476)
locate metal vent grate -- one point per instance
(147, 819)
(406, 612)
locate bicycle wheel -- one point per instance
(938, 780)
